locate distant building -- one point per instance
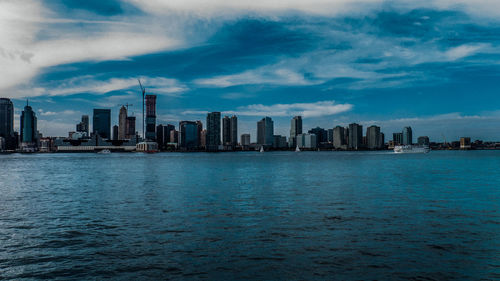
(355, 136)
(234, 130)
(213, 131)
(321, 135)
(279, 142)
(83, 126)
(174, 136)
(7, 124)
(101, 123)
(330, 135)
(230, 131)
(203, 139)
(338, 137)
(373, 137)
(397, 138)
(424, 140)
(163, 135)
(245, 140)
(465, 143)
(122, 123)
(188, 135)
(306, 141)
(151, 117)
(28, 127)
(115, 132)
(407, 136)
(295, 129)
(130, 131)
(265, 131)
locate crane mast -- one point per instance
(143, 90)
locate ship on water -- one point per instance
(411, 149)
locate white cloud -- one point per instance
(60, 113)
(316, 109)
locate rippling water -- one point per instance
(279, 216)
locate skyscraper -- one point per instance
(115, 132)
(234, 130)
(338, 137)
(83, 126)
(245, 139)
(407, 136)
(295, 129)
(230, 131)
(163, 134)
(265, 131)
(7, 122)
(188, 135)
(28, 126)
(130, 131)
(355, 136)
(373, 137)
(321, 135)
(213, 131)
(151, 117)
(200, 129)
(122, 123)
(101, 123)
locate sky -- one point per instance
(431, 65)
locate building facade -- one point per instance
(151, 117)
(407, 136)
(373, 137)
(295, 129)
(101, 123)
(188, 135)
(213, 131)
(245, 140)
(338, 137)
(265, 132)
(7, 123)
(423, 140)
(28, 127)
(355, 136)
(122, 123)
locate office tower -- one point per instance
(7, 123)
(230, 131)
(160, 137)
(338, 137)
(295, 129)
(373, 137)
(203, 139)
(321, 135)
(83, 126)
(265, 131)
(424, 140)
(330, 135)
(200, 129)
(188, 135)
(234, 130)
(115, 132)
(130, 128)
(122, 123)
(213, 131)
(279, 141)
(101, 123)
(28, 123)
(245, 139)
(407, 136)
(397, 138)
(355, 136)
(381, 142)
(151, 117)
(174, 136)
(306, 141)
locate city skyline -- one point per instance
(429, 66)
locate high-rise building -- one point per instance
(306, 141)
(101, 123)
(295, 129)
(321, 135)
(355, 136)
(338, 137)
(188, 135)
(424, 140)
(151, 117)
(174, 136)
(7, 123)
(203, 139)
(115, 132)
(200, 129)
(163, 135)
(407, 136)
(265, 131)
(122, 123)
(130, 131)
(397, 138)
(330, 135)
(279, 141)
(373, 137)
(28, 123)
(465, 143)
(213, 131)
(83, 126)
(381, 141)
(230, 131)
(245, 139)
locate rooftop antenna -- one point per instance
(143, 90)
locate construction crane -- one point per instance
(143, 90)
(126, 105)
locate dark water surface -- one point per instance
(273, 216)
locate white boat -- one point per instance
(262, 149)
(297, 149)
(105, 151)
(411, 149)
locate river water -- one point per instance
(250, 215)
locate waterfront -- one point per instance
(275, 216)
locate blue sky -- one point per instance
(432, 65)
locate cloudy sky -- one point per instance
(432, 65)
